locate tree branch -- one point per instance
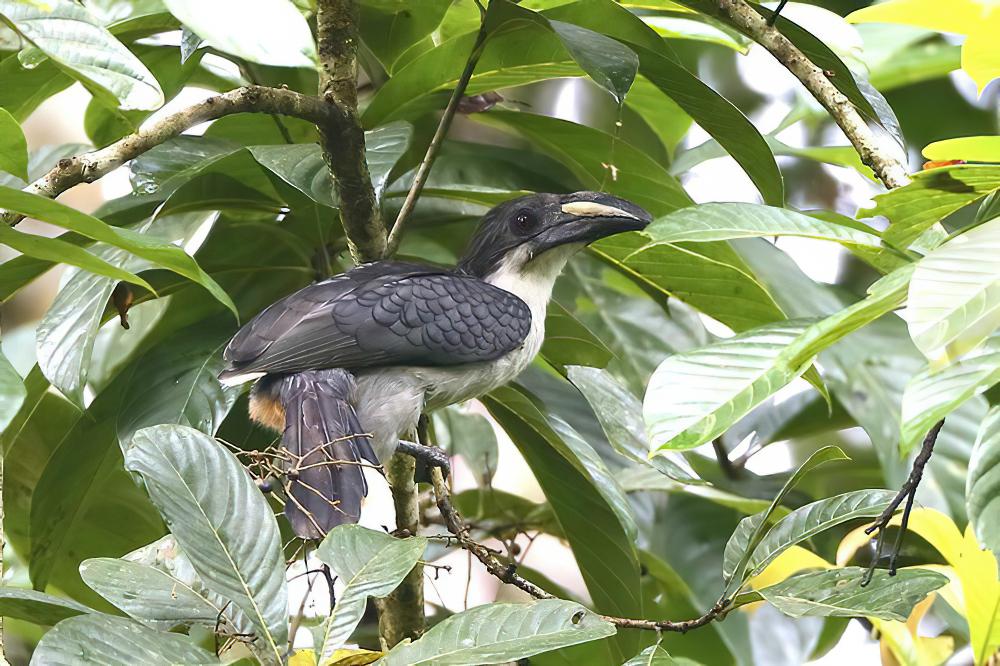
(886, 167)
(424, 170)
(344, 143)
(507, 573)
(91, 166)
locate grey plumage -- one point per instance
(349, 363)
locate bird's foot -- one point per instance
(431, 456)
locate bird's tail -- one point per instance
(327, 450)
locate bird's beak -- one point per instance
(586, 217)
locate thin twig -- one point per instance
(907, 492)
(887, 168)
(424, 170)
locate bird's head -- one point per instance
(540, 232)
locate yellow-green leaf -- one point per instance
(968, 148)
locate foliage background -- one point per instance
(261, 222)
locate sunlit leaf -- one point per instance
(931, 396)
(982, 494)
(69, 34)
(12, 393)
(968, 148)
(499, 633)
(247, 29)
(954, 299)
(930, 197)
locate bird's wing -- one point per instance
(379, 315)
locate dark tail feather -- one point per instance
(322, 435)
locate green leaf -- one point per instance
(811, 519)
(498, 633)
(24, 89)
(600, 160)
(13, 147)
(148, 594)
(160, 253)
(103, 640)
(714, 113)
(752, 529)
(369, 564)
(954, 299)
(12, 393)
(620, 414)
(71, 36)
(220, 519)
(247, 29)
(568, 340)
(838, 593)
(724, 221)
(36, 607)
(392, 26)
(55, 250)
(967, 148)
(66, 334)
(655, 655)
(696, 396)
(930, 197)
(982, 490)
(710, 277)
(930, 396)
(610, 64)
(601, 545)
(470, 436)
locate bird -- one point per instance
(344, 367)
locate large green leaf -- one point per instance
(369, 564)
(620, 414)
(37, 607)
(752, 529)
(811, 519)
(710, 277)
(148, 594)
(103, 640)
(73, 38)
(930, 396)
(13, 147)
(220, 519)
(568, 340)
(247, 29)
(391, 26)
(954, 300)
(601, 546)
(713, 113)
(469, 435)
(24, 89)
(982, 494)
(838, 593)
(53, 250)
(12, 393)
(930, 197)
(498, 633)
(610, 64)
(66, 334)
(696, 396)
(600, 160)
(724, 221)
(160, 253)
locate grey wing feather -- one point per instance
(383, 314)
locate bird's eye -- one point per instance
(525, 220)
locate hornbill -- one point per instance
(345, 366)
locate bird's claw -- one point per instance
(429, 455)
